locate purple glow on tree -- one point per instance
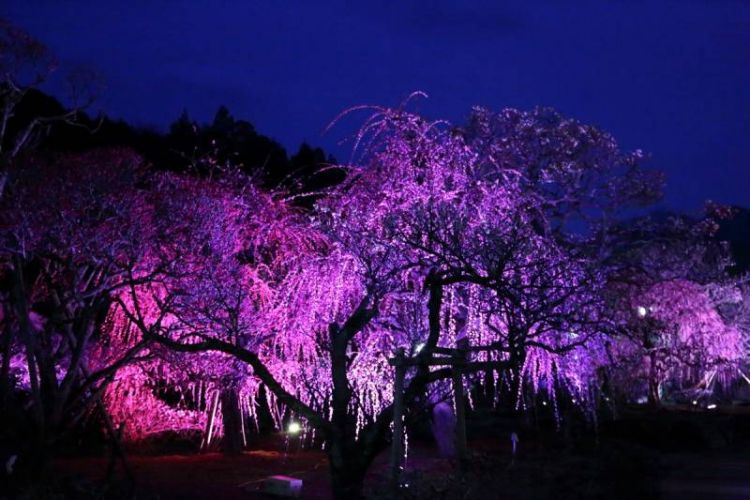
(681, 339)
(503, 233)
(72, 238)
(486, 210)
(679, 309)
(439, 234)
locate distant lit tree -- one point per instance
(678, 304)
(679, 336)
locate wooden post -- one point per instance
(458, 391)
(397, 453)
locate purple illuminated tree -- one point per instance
(512, 217)
(73, 234)
(261, 286)
(679, 336)
(679, 306)
(438, 233)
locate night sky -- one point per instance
(669, 77)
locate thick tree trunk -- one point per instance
(5, 382)
(346, 479)
(231, 444)
(348, 469)
(350, 457)
(348, 461)
(19, 299)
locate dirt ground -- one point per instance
(210, 475)
(664, 455)
(535, 475)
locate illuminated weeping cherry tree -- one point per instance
(440, 233)
(260, 286)
(224, 250)
(510, 219)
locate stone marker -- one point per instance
(283, 486)
(444, 429)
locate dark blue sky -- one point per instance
(670, 77)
